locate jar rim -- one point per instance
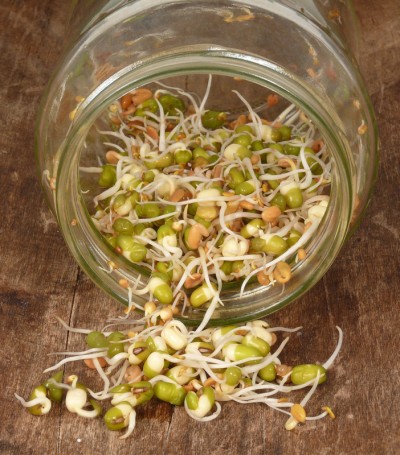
(91, 254)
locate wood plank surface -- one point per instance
(39, 280)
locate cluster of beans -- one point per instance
(169, 364)
(169, 156)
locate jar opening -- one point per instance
(87, 145)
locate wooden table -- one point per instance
(39, 280)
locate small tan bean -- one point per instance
(141, 95)
(179, 195)
(133, 374)
(196, 233)
(263, 278)
(271, 214)
(298, 412)
(166, 313)
(282, 370)
(126, 101)
(231, 207)
(90, 363)
(193, 280)
(124, 283)
(217, 171)
(152, 132)
(209, 382)
(301, 254)
(282, 272)
(112, 157)
(255, 159)
(246, 205)
(284, 162)
(175, 310)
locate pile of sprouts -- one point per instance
(196, 369)
(198, 200)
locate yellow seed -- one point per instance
(362, 129)
(74, 222)
(329, 411)
(283, 400)
(72, 114)
(298, 413)
(265, 187)
(282, 272)
(263, 278)
(112, 265)
(301, 254)
(123, 283)
(132, 334)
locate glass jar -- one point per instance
(302, 50)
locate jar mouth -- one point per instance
(107, 268)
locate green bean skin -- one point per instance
(171, 393)
(308, 372)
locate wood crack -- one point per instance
(78, 273)
(166, 439)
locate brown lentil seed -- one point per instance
(283, 370)
(263, 278)
(126, 101)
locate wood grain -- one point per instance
(39, 280)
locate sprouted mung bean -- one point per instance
(198, 200)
